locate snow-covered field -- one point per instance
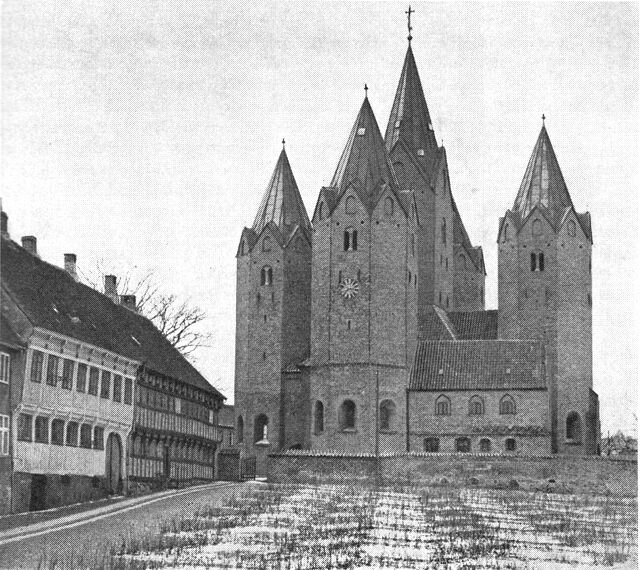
(329, 526)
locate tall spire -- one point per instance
(410, 120)
(364, 161)
(281, 202)
(543, 184)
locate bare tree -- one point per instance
(178, 320)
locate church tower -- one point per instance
(450, 270)
(544, 292)
(364, 291)
(272, 310)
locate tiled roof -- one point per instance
(478, 365)
(52, 300)
(8, 336)
(475, 325)
(281, 202)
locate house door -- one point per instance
(38, 492)
(114, 464)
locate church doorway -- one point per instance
(113, 460)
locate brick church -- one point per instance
(364, 328)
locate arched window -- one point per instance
(431, 445)
(319, 417)
(485, 445)
(537, 261)
(387, 415)
(240, 429)
(476, 406)
(266, 276)
(462, 262)
(574, 427)
(321, 211)
(350, 205)
(536, 228)
(507, 405)
(510, 444)
(347, 415)
(443, 231)
(350, 239)
(571, 228)
(443, 406)
(463, 445)
(266, 244)
(260, 428)
(388, 206)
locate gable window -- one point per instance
(431, 445)
(4, 367)
(387, 415)
(266, 244)
(93, 381)
(463, 445)
(37, 362)
(266, 276)
(510, 444)
(476, 406)
(128, 390)
(105, 387)
(388, 206)
(57, 432)
(350, 239)
(52, 370)
(98, 437)
(443, 406)
(67, 373)
(25, 427)
(319, 417)
(485, 445)
(347, 415)
(4, 435)
(42, 430)
(240, 429)
(536, 228)
(117, 388)
(507, 405)
(574, 427)
(350, 205)
(443, 231)
(85, 436)
(571, 228)
(537, 261)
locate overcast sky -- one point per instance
(145, 132)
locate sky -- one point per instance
(143, 133)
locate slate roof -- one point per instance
(8, 337)
(281, 202)
(475, 325)
(478, 365)
(49, 297)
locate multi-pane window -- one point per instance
(431, 445)
(98, 438)
(510, 444)
(67, 374)
(537, 261)
(105, 388)
(4, 435)
(507, 405)
(266, 275)
(476, 406)
(93, 381)
(57, 432)
(85, 435)
(117, 388)
(52, 370)
(25, 423)
(128, 390)
(4, 367)
(72, 434)
(37, 361)
(42, 430)
(350, 239)
(443, 406)
(81, 381)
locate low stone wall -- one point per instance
(597, 475)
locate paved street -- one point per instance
(78, 537)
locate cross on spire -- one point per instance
(543, 118)
(365, 90)
(282, 143)
(408, 13)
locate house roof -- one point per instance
(51, 299)
(281, 202)
(442, 365)
(475, 325)
(8, 337)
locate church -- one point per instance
(363, 329)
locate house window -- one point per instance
(510, 444)
(240, 429)
(350, 205)
(574, 427)
(128, 390)
(443, 231)
(266, 276)
(476, 406)
(387, 415)
(319, 418)
(571, 228)
(72, 434)
(25, 427)
(85, 436)
(42, 430)
(37, 362)
(431, 445)
(67, 374)
(117, 388)
(507, 405)
(260, 428)
(388, 206)
(266, 244)
(350, 239)
(485, 445)
(105, 387)
(537, 261)
(81, 380)
(98, 438)
(52, 370)
(536, 228)
(347, 415)
(443, 406)
(93, 381)
(4, 367)
(463, 445)
(4, 435)
(57, 432)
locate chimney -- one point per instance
(110, 289)
(70, 265)
(30, 243)
(129, 302)
(4, 224)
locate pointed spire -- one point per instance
(364, 161)
(410, 120)
(281, 202)
(543, 183)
